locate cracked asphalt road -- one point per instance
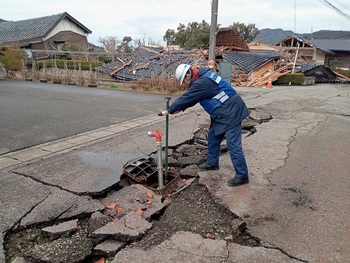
(296, 204)
(308, 196)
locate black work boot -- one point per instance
(237, 181)
(206, 166)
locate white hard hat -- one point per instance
(181, 71)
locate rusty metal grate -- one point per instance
(142, 170)
(145, 171)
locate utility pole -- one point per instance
(296, 56)
(213, 28)
(295, 16)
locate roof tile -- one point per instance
(332, 44)
(16, 31)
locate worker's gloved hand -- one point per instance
(163, 113)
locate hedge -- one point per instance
(71, 64)
(293, 79)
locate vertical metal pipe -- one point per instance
(158, 136)
(167, 99)
(296, 56)
(160, 166)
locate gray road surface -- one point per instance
(33, 113)
(297, 201)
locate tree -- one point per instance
(169, 37)
(12, 57)
(113, 45)
(109, 44)
(248, 32)
(180, 36)
(194, 35)
(138, 42)
(124, 46)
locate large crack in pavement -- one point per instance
(194, 210)
(285, 253)
(43, 182)
(18, 222)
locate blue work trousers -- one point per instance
(234, 145)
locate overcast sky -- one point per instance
(150, 19)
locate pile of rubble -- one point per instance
(254, 68)
(148, 64)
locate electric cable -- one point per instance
(330, 5)
(342, 5)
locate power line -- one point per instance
(342, 5)
(327, 3)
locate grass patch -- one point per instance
(114, 86)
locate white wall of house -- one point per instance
(66, 25)
(319, 57)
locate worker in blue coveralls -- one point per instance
(227, 110)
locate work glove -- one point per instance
(163, 113)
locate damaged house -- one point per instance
(315, 57)
(44, 33)
(338, 52)
(252, 64)
(249, 67)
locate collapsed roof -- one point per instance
(148, 64)
(322, 74)
(252, 65)
(246, 66)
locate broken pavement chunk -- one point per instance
(129, 201)
(108, 248)
(131, 227)
(65, 229)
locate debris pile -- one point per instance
(252, 66)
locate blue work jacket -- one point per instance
(229, 114)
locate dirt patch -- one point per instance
(195, 210)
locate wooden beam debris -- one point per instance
(115, 70)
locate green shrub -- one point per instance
(293, 79)
(104, 59)
(12, 57)
(71, 64)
